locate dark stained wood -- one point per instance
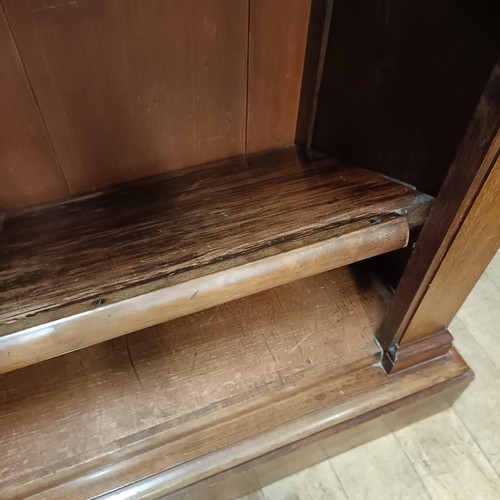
(104, 322)
(135, 88)
(371, 394)
(392, 265)
(401, 81)
(182, 382)
(29, 172)
(155, 250)
(129, 89)
(472, 249)
(277, 40)
(196, 396)
(473, 162)
(406, 355)
(317, 39)
(259, 472)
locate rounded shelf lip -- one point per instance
(105, 322)
(104, 265)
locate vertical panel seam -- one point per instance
(37, 104)
(249, 10)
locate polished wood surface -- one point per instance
(277, 41)
(159, 398)
(168, 227)
(408, 354)
(366, 392)
(305, 467)
(473, 163)
(474, 246)
(400, 83)
(447, 452)
(163, 409)
(245, 344)
(29, 170)
(44, 341)
(143, 254)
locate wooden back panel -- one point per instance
(29, 172)
(124, 89)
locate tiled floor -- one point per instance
(452, 455)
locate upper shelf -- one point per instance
(93, 268)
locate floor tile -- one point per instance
(448, 459)
(379, 469)
(316, 483)
(480, 314)
(479, 406)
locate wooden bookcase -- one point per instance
(232, 227)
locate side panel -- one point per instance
(474, 246)
(459, 236)
(400, 83)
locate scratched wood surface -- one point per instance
(149, 235)
(453, 455)
(76, 408)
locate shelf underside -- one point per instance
(94, 268)
(200, 394)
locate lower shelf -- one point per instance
(158, 410)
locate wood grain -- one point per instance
(134, 88)
(408, 354)
(369, 396)
(112, 263)
(473, 162)
(210, 391)
(46, 340)
(29, 171)
(455, 452)
(400, 83)
(474, 246)
(283, 471)
(199, 374)
(277, 41)
(320, 18)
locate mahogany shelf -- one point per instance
(93, 268)
(201, 394)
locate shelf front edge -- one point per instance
(363, 394)
(35, 344)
